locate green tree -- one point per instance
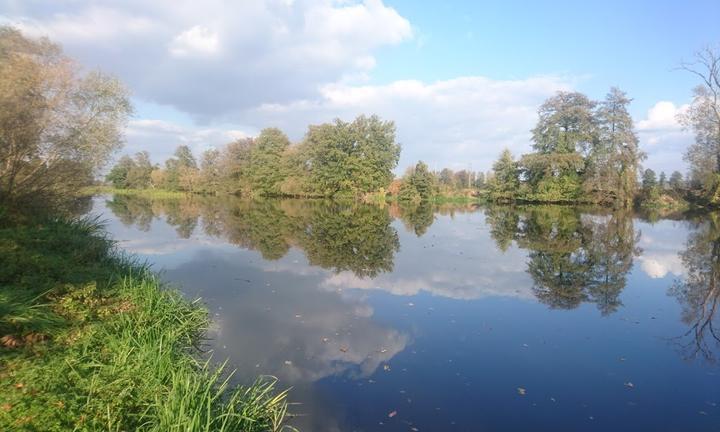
(351, 158)
(118, 175)
(614, 159)
(676, 181)
(662, 180)
(649, 180)
(505, 180)
(266, 162)
(58, 127)
(565, 124)
(418, 184)
(138, 176)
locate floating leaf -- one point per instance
(392, 414)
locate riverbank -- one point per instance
(91, 340)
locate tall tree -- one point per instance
(565, 124)
(565, 130)
(676, 181)
(266, 162)
(58, 126)
(703, 117)
(614, 159)
(505, 180)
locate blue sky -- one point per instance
(462, 80)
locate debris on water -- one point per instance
(288, 362)
(622, 359)
(521, 391)
(411, 304)
(629, 385)
(383, 350)
(386, 368)
(591, 418)
(257, 365)
(343, 349)
(392, 414)
(702, 413)
(552, 399)
(298, 316)
(325, 340)
(525, 346)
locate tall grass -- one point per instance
(113, 349)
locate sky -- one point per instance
(462, 80)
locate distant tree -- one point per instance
(703, 117)
(418, 184)
(676, 181)
(210, 171)
(505, 176)
(649, 180)
(118, 175)
(235, 166)
(446, 177)
(662, 180)
(58, 127)
(266, 162)
(138, 177)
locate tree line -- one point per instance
(333, 159)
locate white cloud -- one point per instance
(663, 116)
(197, 40)
(214, 58)
(663, 138)
(658, 266)
(161, 138)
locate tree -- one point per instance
(138, 176)
(662, 181)
(676, 181)
(565, 130)
(703, 117)
(181, 170)
(418, 184)
(352, 158)
(210, 171)
(505, 180)
(614, 158)
(235, 165)
(58, 126)
(565, 124)
(266, 162)
(118, 175)
(649, 180)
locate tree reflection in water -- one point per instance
(573, 257)
(698, 291)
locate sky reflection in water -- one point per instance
(442, 314)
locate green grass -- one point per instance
(149, 193)
(91, 340)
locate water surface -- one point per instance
(450, 318)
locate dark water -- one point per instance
(453, 319)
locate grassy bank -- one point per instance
(149, 193)
(90, 340)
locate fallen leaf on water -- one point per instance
(386, 367)
(325, 339)
(521, 391)
(629, 385)
(343, 349)
(392, 414)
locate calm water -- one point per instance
(450, 319)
